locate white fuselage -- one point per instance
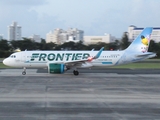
(40, 59)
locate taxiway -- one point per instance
(89, 96)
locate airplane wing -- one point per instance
(80, 62)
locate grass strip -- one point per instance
(139, 66)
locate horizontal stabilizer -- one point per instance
(146, 54)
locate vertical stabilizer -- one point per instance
(141, 43)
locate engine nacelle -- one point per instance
(56, 68)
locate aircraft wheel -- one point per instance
(75, 72)
(23, 73)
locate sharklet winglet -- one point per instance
(99, 53)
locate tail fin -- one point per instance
(141, 43)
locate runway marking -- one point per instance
(88, 81)
(33, 72)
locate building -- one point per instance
(35, 38)
(77, 34)
(72, 39)
(107, 38)
(134, 31)
(55, 36)
(50, 37)
(14, 32)
(60, 36)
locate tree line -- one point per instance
(8, 47)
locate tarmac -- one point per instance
(99, 94)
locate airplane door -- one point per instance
(25, 59)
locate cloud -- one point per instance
(18, 11)
(23, 2)
(30, 22)
(94, 17)
(71, 10)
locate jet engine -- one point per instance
(56, 68)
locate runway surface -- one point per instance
(89, 96)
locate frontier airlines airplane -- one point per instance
(61, 61)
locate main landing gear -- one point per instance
(24, 71)
(75, 72)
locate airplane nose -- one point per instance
(4, 61)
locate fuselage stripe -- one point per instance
(106, 62)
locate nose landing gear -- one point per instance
(24, 71)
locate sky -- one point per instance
(95, 17)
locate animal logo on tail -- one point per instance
(145, 41)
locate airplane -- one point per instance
(61, 61)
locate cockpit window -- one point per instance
(13, 56)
